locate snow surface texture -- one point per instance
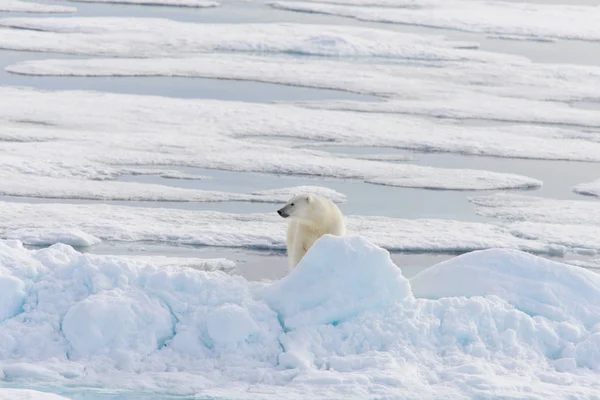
(455, 91)
(525, 20)
(343, 324)
(589, 189)
(482, 85)
(31, 7)
(260, 231)
(146, 37)
(173, 3)
(24, 394)
(78, 152)
(575, 224)
(60, 188)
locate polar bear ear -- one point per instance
(308, 199)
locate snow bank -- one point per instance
(174, 3)
(111, 130)
(519, 19)
(531, 284)
(351, 326)
(30, 7)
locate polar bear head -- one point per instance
(299, 206)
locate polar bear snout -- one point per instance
(283, 213)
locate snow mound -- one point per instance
(531, 284)
(337, 279)
(343, 324)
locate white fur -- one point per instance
(310, 217)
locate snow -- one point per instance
(570, 223)
(542, 288)
(344, 324)
(25, 394)
(31, 7)
(250, 230)
(26, 185)
(502, 90)
(44, 237)
(13, 296)
(204, 264)
(288, 193)
(113, 130)
(145, 37)
(174, 3)
(496, 17)
(589, 188)
(336, 293)
(536, 209)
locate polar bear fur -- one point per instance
(310, 217)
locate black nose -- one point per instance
(279, 212)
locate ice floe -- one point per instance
(111, 130)
(26, 185)
(589, 188)
(32, 7)
(26, 394)
(256, 230)
(147, 37)
(521, 19)
(173, 3)
(345, 323)
(536, 209)
(203, 264)
(571, 223)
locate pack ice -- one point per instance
(344, 324)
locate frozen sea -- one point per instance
(165, 134)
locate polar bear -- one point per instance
(310, 217)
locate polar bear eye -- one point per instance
(292, 204)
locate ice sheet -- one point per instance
(190, 332)
(110, 130)
(513, 18)
(32, 7)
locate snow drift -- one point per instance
(345, 324)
